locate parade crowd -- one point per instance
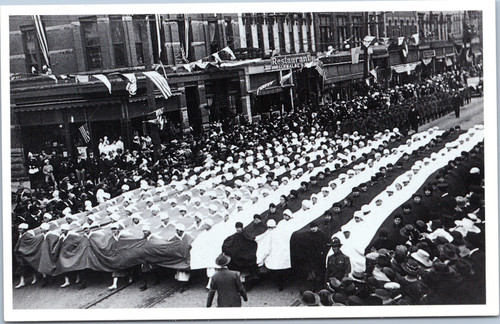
(434, 245)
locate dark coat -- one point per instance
(229, 288)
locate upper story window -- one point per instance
(118, 40)
(92, 43)
(138, 31)
(32, 50)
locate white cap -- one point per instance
(23, 226)
(180, 227)
(475, 170)
(45, 226)
(271, 223)
(65, 227)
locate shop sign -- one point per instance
(295, 61)
(428, 53)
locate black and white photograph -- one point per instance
(268, 156)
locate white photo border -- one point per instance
(491, 308)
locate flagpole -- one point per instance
(282, 110)
(291, 91)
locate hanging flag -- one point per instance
(264, 86)
(368, 40)
(400, 40)
(405, 49)
(187, 67)
(131, 86)
(416, 37)
(82, 78)
(84, 130)
(160, 82)
(159, 117)
(285, 78)
(355, 54)
(158, 38)
(385, 40)
(228, 50)
(103, 79)
(42, 39)
(202, 65)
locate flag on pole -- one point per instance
(42, 39)
(405, 49)
(103, 79)
(159, 117)
(158, 38)
(264, 86)
(228, 50)
(84, 130)
(400, 40)
(160, 82)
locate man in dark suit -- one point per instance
(227, 284)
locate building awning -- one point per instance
(346, 77)
(62, 105)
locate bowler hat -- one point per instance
(411, 267)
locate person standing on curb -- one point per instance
(227, 284)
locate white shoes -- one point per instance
(20, 285)
(113, 287)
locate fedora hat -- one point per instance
(411, 267)
(309, 298)
(422, 257)
(449, 251)
(357, 275)
(222, 260)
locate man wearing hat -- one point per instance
(227, 284)
(338, 264)
(23, 269)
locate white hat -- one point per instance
(475, 170)
(365, 209)
(288, 212)
(136, 215)
(358, 213)
(146, 228)
(23, 226)
(125, 187)
(47, 215)
(66, 211)
(46, 226)
(180, 227)
(64, 227)
(271, 223)
(163, 216)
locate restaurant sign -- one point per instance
(295, 61)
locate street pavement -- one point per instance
(166, 294)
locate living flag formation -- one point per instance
(55, 252)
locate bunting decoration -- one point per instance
(104, 80)
(160, 82)
(217, 58)
(131, 86)
(416, 38)
(228, 50)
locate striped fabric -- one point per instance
(84, 130)
(42, 39)
(160, 82)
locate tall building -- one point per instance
(47, 113)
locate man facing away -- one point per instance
(227, 284)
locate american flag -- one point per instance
(84, 130)
(160, 82)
